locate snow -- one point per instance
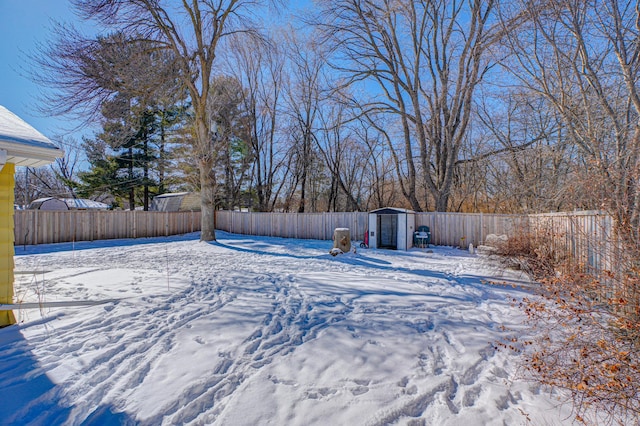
(256, 330)
(14, 129)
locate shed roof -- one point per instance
(176, 201)
(25, 146)
(84, 204)
(69, 203)
(391, 210)
(47, 203)
(172, 194)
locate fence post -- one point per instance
(36, 223)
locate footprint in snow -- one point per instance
(471, 396)
(359, 390)
(320, 393)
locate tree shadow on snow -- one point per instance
(28, 394)
(258, 250)
(22, 250)
(262, 245)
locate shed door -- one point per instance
(388, 231)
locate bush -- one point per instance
(586, 330)
(532, 253)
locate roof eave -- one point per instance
(30, 156)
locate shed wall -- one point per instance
(373, 226)
(402, 231)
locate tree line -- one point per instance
(471, 105)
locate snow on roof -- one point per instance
(81, 203)
(25, 146)
(172, 194)
(71, 203)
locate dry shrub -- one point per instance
(532, 253)
(586, 331)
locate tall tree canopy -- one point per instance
(422, 61)
(191, 32)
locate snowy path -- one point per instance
(253, 330)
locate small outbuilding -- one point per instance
(391, 228)
(20, 145)
(50, 203)
(176, 202)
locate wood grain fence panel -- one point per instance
(44, 227)
(586, 236)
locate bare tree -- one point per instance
(57, 180)
(260, 66)
(423, 60)
(380, 170)
(304, 97)
(344, 154)
(584, 59)
(528, 161)
(192, 31)
(232, 134)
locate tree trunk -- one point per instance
(442, 201)
(206, 161)
(146, 175)
(303, 190)
(132, 190)
(161, 156)
(207, 196)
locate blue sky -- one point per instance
(24, 24)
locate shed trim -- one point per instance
(391, 210)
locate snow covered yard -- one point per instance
(256, 330)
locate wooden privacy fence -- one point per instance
(462, 229)
(587, 237)
(43, 227)
(453, 229)
(318, 226)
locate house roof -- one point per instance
(25, 146)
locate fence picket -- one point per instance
(582, 234)
(43, 227)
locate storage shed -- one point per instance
(20, 145)
(50, 203)
(176, 202)
(391, 228)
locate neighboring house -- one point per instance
(20, 145)
(176, 202)
(51, 203)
